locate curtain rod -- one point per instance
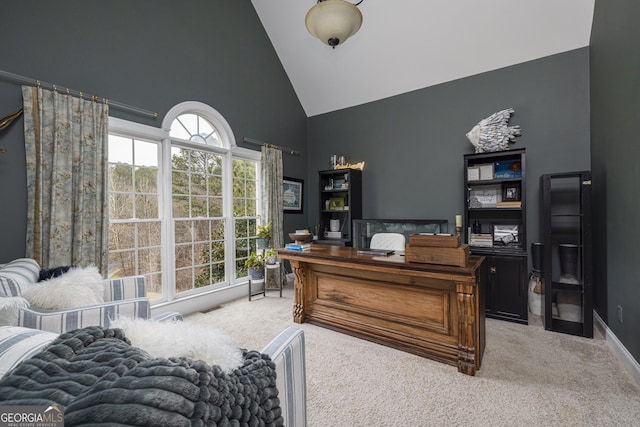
(78, 94)
(277, 147)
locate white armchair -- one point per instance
(122, 297)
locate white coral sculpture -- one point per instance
(494, 133)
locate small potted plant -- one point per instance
(270, 256)
(255, 263)
(264, 236)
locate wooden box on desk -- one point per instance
(438, 255)
(438, 240)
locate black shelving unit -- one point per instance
(567, 303)
(495, 226)
(340, 199)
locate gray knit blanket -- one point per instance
(100, 378)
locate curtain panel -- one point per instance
(272, 193)
(66, 153)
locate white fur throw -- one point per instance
(78, 287)
(9, 309)
(178, 339)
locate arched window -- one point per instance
(204, 194)
(195, 128)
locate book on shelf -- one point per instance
(482, 244)
(507, 169)
(509, 204)
(482, 240)
(297, 246)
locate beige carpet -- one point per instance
(529, 376)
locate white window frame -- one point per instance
(196, 299)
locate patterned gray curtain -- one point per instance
(272, 193)
(66, 152)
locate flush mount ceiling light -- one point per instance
(333, 21)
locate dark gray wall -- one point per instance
(155, 54)
(413, 144)
(615, 150)
(150, 54)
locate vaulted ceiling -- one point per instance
(405, 45)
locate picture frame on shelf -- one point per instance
(506, 235)
(473, 173)
(486, 171)
(485, 196)
(511, 192)
(336, 203)
(292, 192)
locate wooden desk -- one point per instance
(434, 311)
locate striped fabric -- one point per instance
(287, 352)
(61, 321)
(17, 275)
(124, 297)
(125, 288)
(18, 344)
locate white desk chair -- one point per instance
(391, 241)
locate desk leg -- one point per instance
(298, 288)
(466, 329)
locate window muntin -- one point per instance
(195, 128)
(135, 239)
(196, 216)
(245, 211)
(196, 181)
(199, 253)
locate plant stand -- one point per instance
(254, 282)
(273, 276)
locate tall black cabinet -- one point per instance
(495, 226)
(567, 303)
(340, 202)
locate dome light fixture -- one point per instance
(333, 21)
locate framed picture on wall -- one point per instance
(292, 195)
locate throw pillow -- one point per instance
(50, 273)
(178, 339)
(78, 287)
(9, 310)
(18, 344)
(18, 275)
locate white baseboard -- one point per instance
(618, 348)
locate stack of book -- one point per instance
(510, 204)
(481, 240)
(297, 246)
